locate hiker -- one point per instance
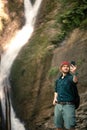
(64, 111)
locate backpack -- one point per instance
(76, 97)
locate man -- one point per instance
(64, 112)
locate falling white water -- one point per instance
(7, 58)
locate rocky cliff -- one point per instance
(60, 34)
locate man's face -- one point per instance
(65, 69)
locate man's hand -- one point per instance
(74, 73)
(54, 102)
(55, 98)
(73, 69)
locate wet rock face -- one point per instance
(81, 113)
(32, 1)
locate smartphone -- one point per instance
(73, 63)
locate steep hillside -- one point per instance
(11, 19)
(60, 34)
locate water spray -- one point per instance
(10, 121)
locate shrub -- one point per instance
(53, 72)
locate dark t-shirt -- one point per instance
(64, 88)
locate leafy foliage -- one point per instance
(58, 38)
(72, 17)
(53, 72)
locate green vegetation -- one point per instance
(80, 61)
(32, 75)
(59, 38)
(26, 69)
(73, 15)
(83, 25)
(73, 18)
(50, 6)
(53, 72)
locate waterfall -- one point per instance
(7, 58)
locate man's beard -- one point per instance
(65, 72)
